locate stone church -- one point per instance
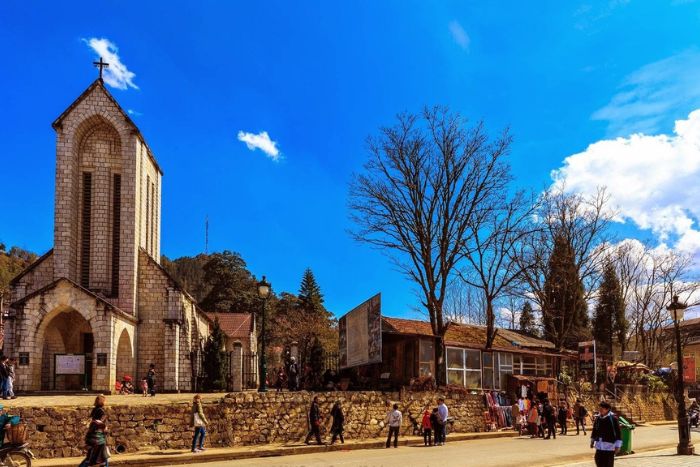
(101, 291)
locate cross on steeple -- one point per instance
(101, 64)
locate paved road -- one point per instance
(508, 452)
(665, 458)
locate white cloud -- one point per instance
(261, 141)
(648, 95)
(117, 74)
(133, 113)
(459, 35)
(652, 180)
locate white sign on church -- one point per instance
(70, 364)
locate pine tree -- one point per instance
(215, 359)
(609, 322)
(564, 307)
(527, 320)
(310, 295)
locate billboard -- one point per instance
(360, 334)
(587, 359)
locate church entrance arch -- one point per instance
(65, 331)
(125, 357)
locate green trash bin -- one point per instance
(626, 427)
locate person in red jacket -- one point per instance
(427, 429)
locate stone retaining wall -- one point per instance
(656, 407)
(238, 419)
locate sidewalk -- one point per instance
(174, 457)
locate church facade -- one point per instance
(101, 291)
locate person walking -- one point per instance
(95, 440)
(151, 379)
(562, 417)
(199, 422)
(394, 420)
(337, 427)
(550, 419)
(293, 375)
(443, 414)
(314, 422)
(606, 436)
(580, 414)
(427, 429)
(11, 378)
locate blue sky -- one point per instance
(318, 78)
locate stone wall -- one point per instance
(238, 419)
(655, 407)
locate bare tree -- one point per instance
(663, 275)
(426, 178)
(579, 222)
(463, 304)
(495, 239)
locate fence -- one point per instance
(250, 370)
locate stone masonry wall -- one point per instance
(238, 419)
(650, 408)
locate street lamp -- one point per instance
(685, 447)
(263, 293)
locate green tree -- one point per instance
(564, 308)
(289, 311)
(12, 262)
(215, 360)
(233, 287)
(527, 320)
(609, 322)
(310, 296)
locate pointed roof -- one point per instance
(110, 306)
(100, 83)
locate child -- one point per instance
(144, 387)
(427, 429)
(522, 423)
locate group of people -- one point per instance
(7, 377)
(288, 377)
(434, 424)
(316, 421)
(539, 417)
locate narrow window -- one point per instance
(85, 231)
(116, 224)
(148, 211)
(153, 219)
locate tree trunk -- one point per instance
(490, 328)
(440, 363)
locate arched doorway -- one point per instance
(65, 331)
(125, 356)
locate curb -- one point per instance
(163, 458)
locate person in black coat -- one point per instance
(550, 419)
(314, 422)
(606, 436)
(338, 422)
(436, 426)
